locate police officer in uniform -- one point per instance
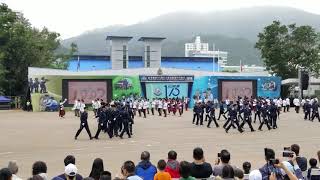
(315, 111)
(247, 117)
(307, 109)
(221, 111)
(258, 112)
(233, 119)
(126, 120)
(273, 115)
(102, 122)
(264, 113)
(83, 124)
(212, 116)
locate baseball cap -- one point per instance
(70, 170)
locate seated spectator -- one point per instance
(185, 171)
(161, 174)
(227, 172)
(313, 165)
(269, 167)
(128, 171)
(222, 161)
(302, 161)
(255, 175)
(105, 175)
(246, 167)
(13, 167)
(70, 171)
(200, 168)
(40, 168)
(69, 160)
(172, 165)
(36, 177)
(97, 169)
(5, 174)
(145, 169)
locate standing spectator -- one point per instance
(5, 174)
(222, 161)
(302, 161)
(145, 169)
(313, 165)
(269, 168)
(199, 168)
(97, 169)
(13, 167)
(128, 171)
(172, 165)
(40, 168)
(185, 171)
(161, 174)
(69, 160)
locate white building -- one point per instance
(198, 49)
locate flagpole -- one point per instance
(240, 66)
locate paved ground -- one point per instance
(27, 137)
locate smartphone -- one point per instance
(274, 161)
(287, 154)
(287, 149)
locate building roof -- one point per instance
(34, 71)
(119, 37)
(151, 38)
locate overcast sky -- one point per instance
(72, 17)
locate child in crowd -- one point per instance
(313, 165)
(161, 175)
(185, 171)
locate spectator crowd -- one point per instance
(292, 166)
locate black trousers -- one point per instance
(264, 122)
(227, 123)
(212, 118)
(83, 125)
(222, 113)
(152, 111)
(160, 111)
(100, 127)
(199, 119)
(307, 115)
(297, 108)
(274, 121)
(207, 117)
(139, 111)
(144, 112)
(315, 115)
(234, 121)
(125, 129)
(258, 113)
(165, 112)
(248, 121)
(110, 130)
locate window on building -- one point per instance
(148, 56)
(124, 59)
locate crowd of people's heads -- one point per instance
(290, 168)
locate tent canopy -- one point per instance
(4, 99)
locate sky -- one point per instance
(73, 17)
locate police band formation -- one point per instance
(117, 118)
(238, 114)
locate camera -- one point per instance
(287, 154)
(274, 161)
(287, 149)
(219, 155)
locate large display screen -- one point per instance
(86, 90)
(166, 90)
(232, 89)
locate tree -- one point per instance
(285, 49)
(22, 46)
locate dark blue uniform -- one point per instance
(247, 117)
(212, 117)
(257, 113)
(264, 113)
(307, 109)
(102, 122)
(233, 119)
(273, 115)
(315, 111)
(83, 124)
(221, 111)
(126, 120)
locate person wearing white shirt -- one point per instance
(288, 104)
(160, 107)
(82, 106)
(76, 108)
(145, 106)
(153, 105)
(95, 107)
(140, 105)
(284, 105)
(296, 103)
(134, 106)
(165, 107)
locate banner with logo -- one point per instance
(166, 90)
